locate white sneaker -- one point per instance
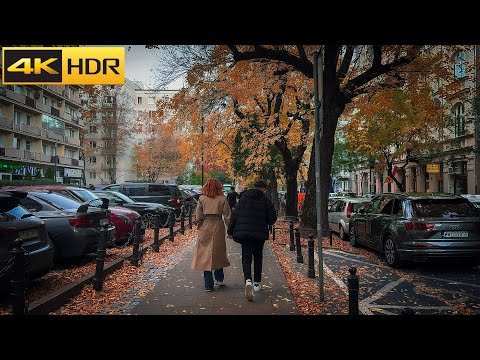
(248, 290)
(219, 283)
(257, 286)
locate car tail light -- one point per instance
(410, 225)
(81, 222)
(349, 209)
(176, 201)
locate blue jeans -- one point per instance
(219, 276)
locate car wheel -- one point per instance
(353, 235)
(148, 220)
(341, 233)
(391, 253)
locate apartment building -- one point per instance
(456, 168)
(40, 127)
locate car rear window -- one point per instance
(85, 195)
(17, 212)
(134, 190)
(58, 200)
(160, 190)
(445, 208)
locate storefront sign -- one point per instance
(433, 168)
(74, 173)
(8, 166)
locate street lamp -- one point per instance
(55, 168)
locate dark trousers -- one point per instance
(252, 248)
(219, 276)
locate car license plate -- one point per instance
(455, 234)
(28, 234)
(103, 222)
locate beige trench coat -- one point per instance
(211, 251)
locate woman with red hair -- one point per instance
(213, 215)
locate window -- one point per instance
(93, 129)
(92, 159)
(31, 204)
(459, 65)
(93, 175)
(44, 100)
(18, 117)
(93, 144)
(151, 101)
(29, 120)
(459, 114)
(397, 208)
(45, 149)
(71, 132)
(28, 145)
(387, 207)
(139, 100)
(158, 190)
(18, 89)
(29, 92)
(67, 110)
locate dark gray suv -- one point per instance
(419, 227)
(166, 194)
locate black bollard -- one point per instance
(407, 311)
(353, 291)
(19, 280)
(171, 223)
(136, 243)
(299, 246)
(273, 233)
(190, 213)
(182, 223)
(331, 232)
(292, 243)
(101, 252)
(156, 230)
(311, 257)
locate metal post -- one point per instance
(202, 149)
(18, 280)
(101, 252)
(299, 246)
(353, 291)
(171, 223)
(292, 243)
(182, 222)
(318, 113)
(136, 243)
(190, 213)
(331, 236)
(311, 257)
(156, 230)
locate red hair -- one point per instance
(212, 188)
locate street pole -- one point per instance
(318, 98)
(55, 170)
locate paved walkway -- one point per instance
(181, 291)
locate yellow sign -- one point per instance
(433, 168)
(63, 65)
(388, 180)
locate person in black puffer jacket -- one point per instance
(248, 226)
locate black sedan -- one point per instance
(74, 229)
(17, 223)
(145, 209)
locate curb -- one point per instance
(60, 296)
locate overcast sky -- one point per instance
(139, 64)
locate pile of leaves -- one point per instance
(118, 286)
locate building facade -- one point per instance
(40, 127)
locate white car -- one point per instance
(474, 199)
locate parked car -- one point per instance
(74, 228)
(146, 210)
(167, 194)
(123, 219)
(474, 199)
(190, 198)
(419, 227)
(17, 223)
(340, 212)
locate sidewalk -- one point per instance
(181, 291)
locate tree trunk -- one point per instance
(332, 111)
(291, 207)
(272, 186)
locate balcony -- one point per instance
(14, 153)
(15, 96)
(53, 88)
(42, 157)
(49, 134)
(72, 141)
(64, 160)
(42, 107)
(28, 129)
(66, 116)
(6, 123)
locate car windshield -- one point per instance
(58, 200)
(85, 195)
(445, 208)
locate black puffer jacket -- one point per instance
(251, 216)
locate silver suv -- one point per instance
(340, 212)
